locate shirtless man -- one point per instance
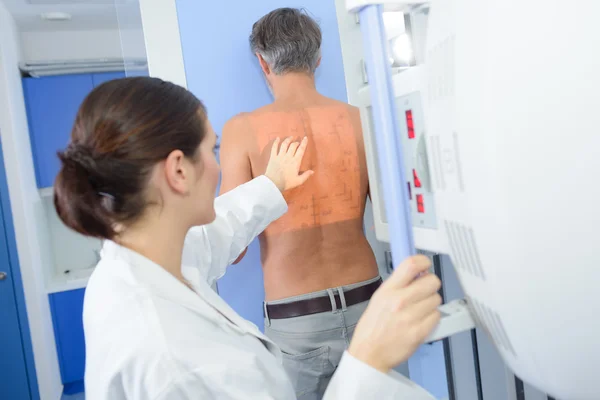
(319, 270)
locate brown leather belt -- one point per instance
(321, 304)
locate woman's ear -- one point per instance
(176, 173)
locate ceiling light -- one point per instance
(402, 50)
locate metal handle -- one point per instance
(389, 264)
(2, 276)
(363, 71)
(387, 133)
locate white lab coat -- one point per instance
(148, 336)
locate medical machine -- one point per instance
(487, 151)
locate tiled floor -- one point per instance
(78, 396)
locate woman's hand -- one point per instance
(399, 317)
(284, 165)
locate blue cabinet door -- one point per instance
(52, 103)
(67, 317)
(17, 378)
(100, 78)
(232, 82)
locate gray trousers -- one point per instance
(312, 345)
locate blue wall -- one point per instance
(225, 75)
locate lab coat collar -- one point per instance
(205, 301)
(148, 274)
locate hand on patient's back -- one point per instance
(284, 165)
(399, 317)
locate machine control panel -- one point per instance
(412, 128)
(418, 181)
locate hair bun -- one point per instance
(123, 128)
(79, 155)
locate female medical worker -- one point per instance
(140, 173)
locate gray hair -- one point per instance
(288, 40)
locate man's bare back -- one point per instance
(320, 242)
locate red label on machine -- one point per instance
(420, 203)
(410, 125)
(416, 179)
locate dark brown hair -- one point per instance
(123, 129)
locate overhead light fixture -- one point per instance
(393, 23)
(402, 52)
(56, 16)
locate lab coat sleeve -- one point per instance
(241, 215)
(355, 380)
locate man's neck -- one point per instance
(294, 87)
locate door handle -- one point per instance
(389, 264)
(2, 276)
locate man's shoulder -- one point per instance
(266, 108)
(237, 119)
(330, 101)
(332, 107)
(236, 126)
(244, 118)
(352, 110)
(275, 113)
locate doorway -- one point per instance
(17, 374)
